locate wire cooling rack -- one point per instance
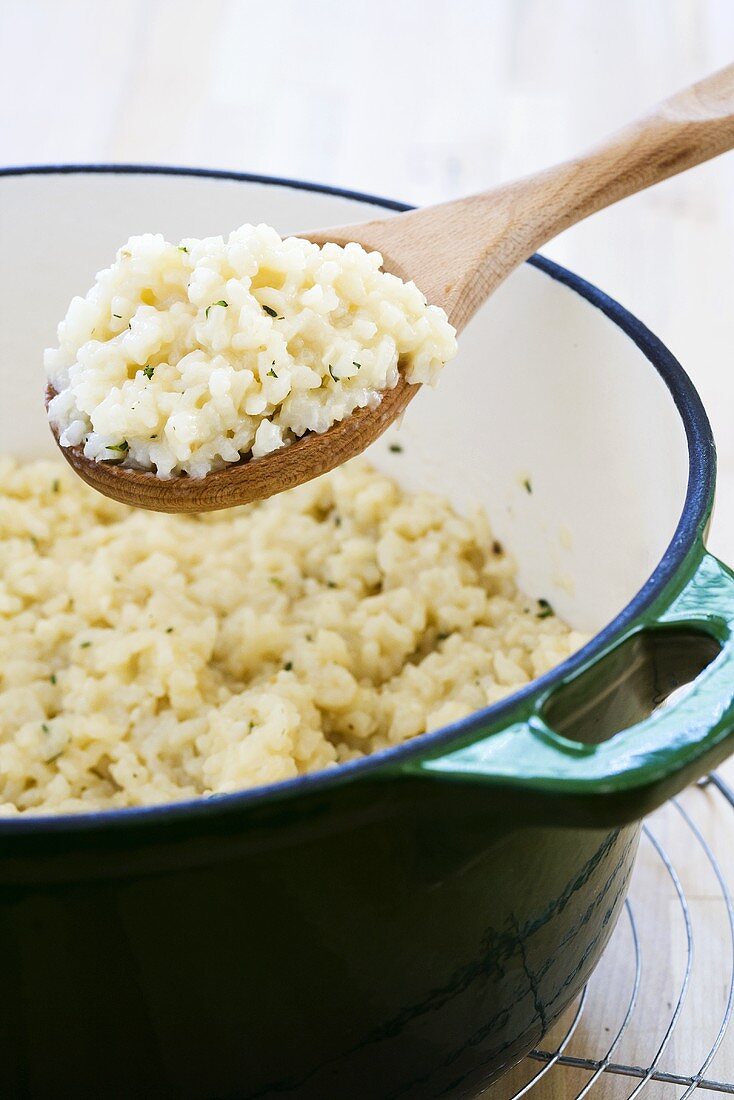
(653, 1019)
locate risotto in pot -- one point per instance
(146, 658)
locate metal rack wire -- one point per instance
(683, 1081)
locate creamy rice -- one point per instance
(183, 358)
(147, 658)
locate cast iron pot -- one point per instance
(407, 925)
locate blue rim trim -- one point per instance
(689, 531)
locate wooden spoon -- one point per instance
(457, 253)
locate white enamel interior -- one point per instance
(545, 387)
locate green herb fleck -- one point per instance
(545, 609)
(45, 728)
(527, 484)
(277, 581)
(272, 374)
(34, 540)
(331, 584)
(169, 630)
(85, 645)
(52, 677)
(182, 248)
(337, 521)
(288, 666)
(252, 726)
(332, 374)
(396, 448)
(154, 437)
(497, 547)
(56, 755)
(122, 447)
(148, 372)
(221, 302)
(118, 316)
(55, 485)
(357, 365)
(309, 637)
(442, 636)
(271, 312)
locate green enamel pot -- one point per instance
(407, 925)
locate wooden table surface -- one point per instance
(421, 100)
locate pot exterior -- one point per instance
(373, 940)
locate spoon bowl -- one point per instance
(249, 479)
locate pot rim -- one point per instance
(689, 532)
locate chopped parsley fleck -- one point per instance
(221, 302)
(357, 365)
(442, 636)
(545, 609)
(527, 485)
(309, 637)
(148, 372)
(396, 448)
(85, 645)
(288, 666)
(182, 248)
(56, 755)
(331, 584)
(154, 437)
(276, 581)
(337, 521)
(497, 547)
(271, 312)
(45, 728)
(52, 677)
(34, 540)
(169, 630)
(122, 447)
(55, 485)
(331, 372)
(272, 374)
(118, 316)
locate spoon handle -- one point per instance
(683, 131)
(459, 252)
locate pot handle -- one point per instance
(620, 779)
